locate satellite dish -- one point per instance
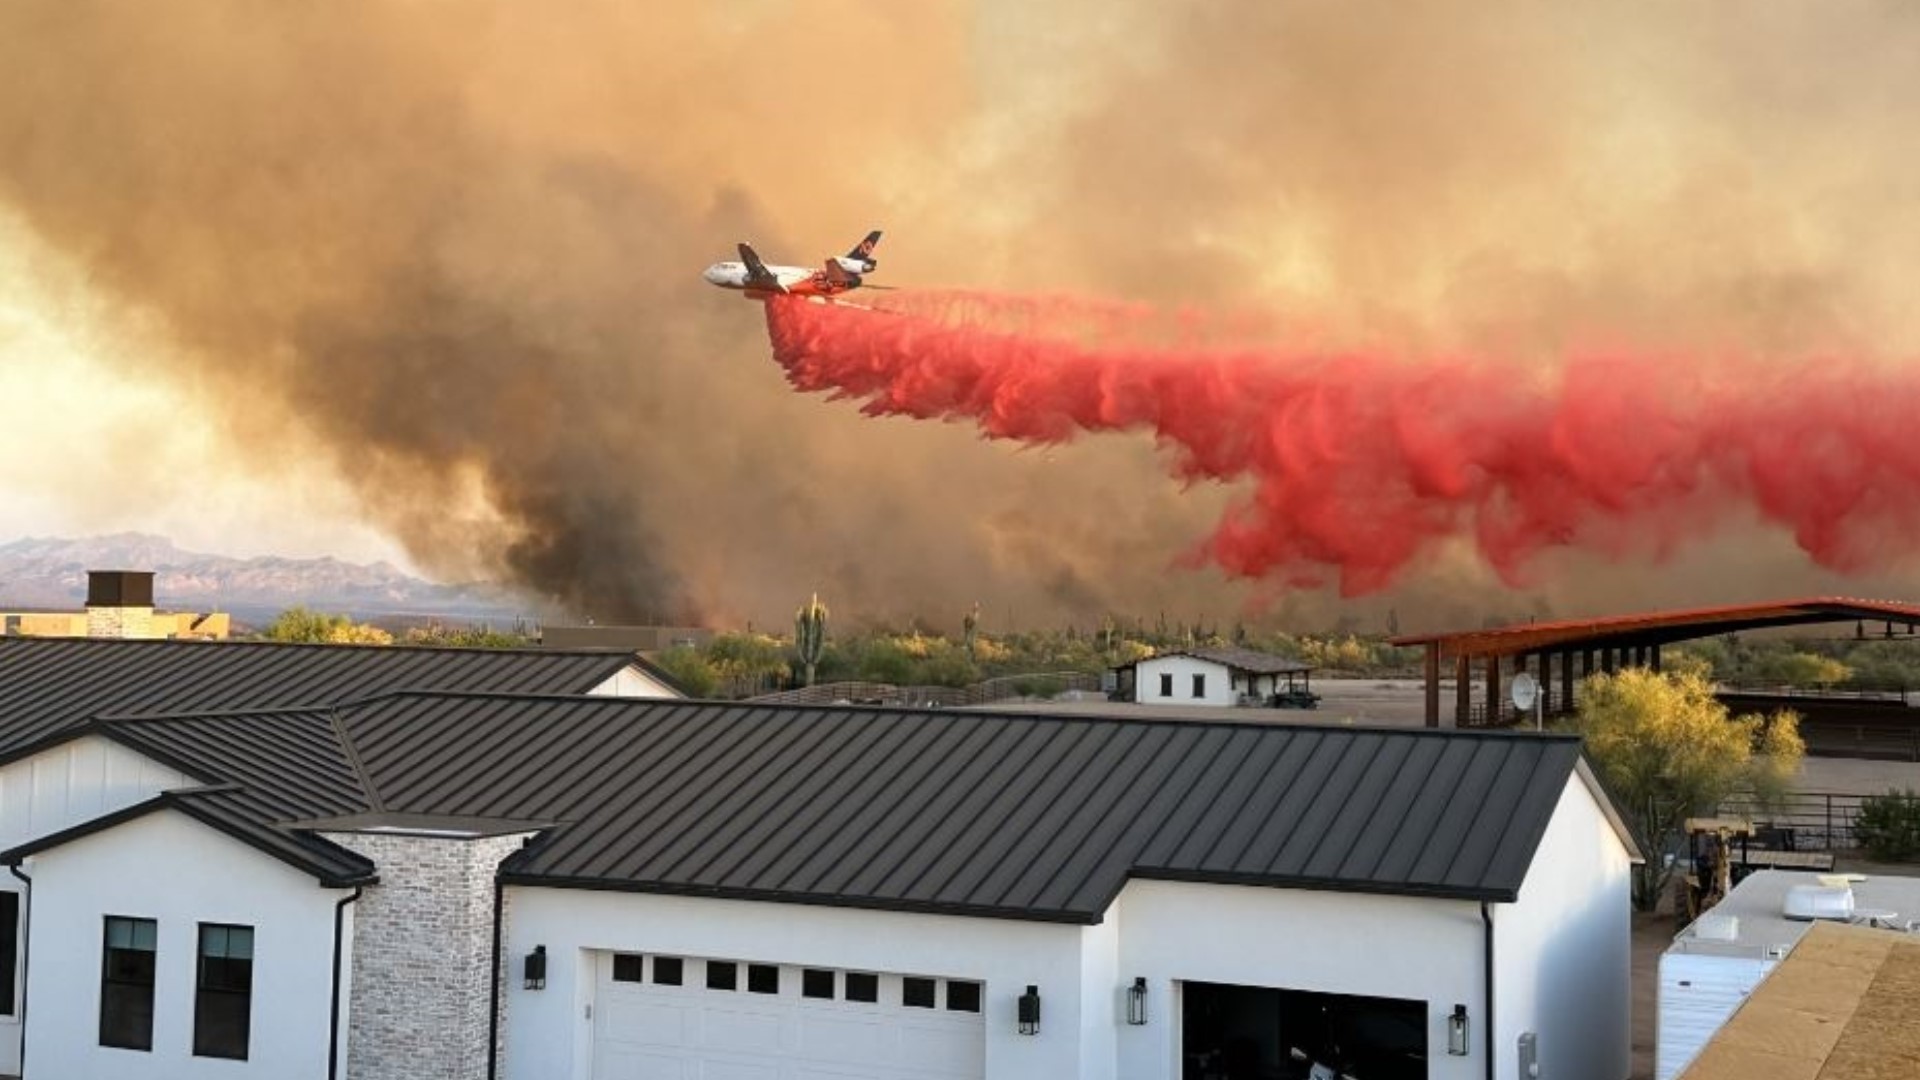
(1526, 690)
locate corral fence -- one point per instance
(1802, 821)
(1001, 688)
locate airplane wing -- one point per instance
(758, 276)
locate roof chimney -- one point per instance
(120, 603)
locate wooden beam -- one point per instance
(1433, 684)
(1462, 689)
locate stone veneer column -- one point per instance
(120, 622)
(423, 956)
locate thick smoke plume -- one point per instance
(451, 251)
(1360, 463)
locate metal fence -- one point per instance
(1802, 821)
(1002, 688)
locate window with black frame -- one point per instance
(126, 983)
(223, 1001)
(9, 951)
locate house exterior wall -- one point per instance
(170, 868)
(1183, 669)
(53, 790)
(1168, 932)
(1341, 943)
(1562, 953)
(635, 683)
(74, 782)
(548, 1036)
(423, 956)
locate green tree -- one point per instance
(1668, 749)
(746, 662)
(689, 669)
(887, 660)
(1802, 669)
(481, 636)
(299, 625)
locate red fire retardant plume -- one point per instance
(1358, 463)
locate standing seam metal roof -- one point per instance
(987, 813)
(50, 686)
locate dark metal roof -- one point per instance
(1661, 627)
(49, 686)
(1034, 817)
(1237, 658)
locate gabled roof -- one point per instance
(1239, 659)
(996, 814)
(50, 686)
(232, 811)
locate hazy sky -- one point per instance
(98, 445)
(421, 281)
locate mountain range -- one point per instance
(51, 573)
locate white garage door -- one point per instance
(676, 1018)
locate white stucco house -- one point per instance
(406, 883)
(58, 771)
(1211, 675)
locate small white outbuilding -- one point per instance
(1216, 675)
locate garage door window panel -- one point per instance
(763, 979)
(816, 983)
(963, 996)
(863, 987)
(667, 971)
(722, 975)
(917, 993)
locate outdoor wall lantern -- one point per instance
(1030, 1011)
(1457, 1032)
(536, 970)
(1137, 1001)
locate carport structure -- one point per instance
(1559, 654)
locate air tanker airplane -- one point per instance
(759, 281)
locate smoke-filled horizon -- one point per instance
(451, 252)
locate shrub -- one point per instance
(1889, 825)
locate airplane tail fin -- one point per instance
(864, 249)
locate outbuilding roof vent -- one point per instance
(1717, 928)
(1807, 902)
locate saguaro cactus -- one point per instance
(970, 630)
(810, 634)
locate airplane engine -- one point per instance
(856, 266)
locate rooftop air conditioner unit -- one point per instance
(1807, 902)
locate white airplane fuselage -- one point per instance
(733, 275)
(754, 276)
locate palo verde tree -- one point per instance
(299, 625)
(810, 635)
(1667, 749)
